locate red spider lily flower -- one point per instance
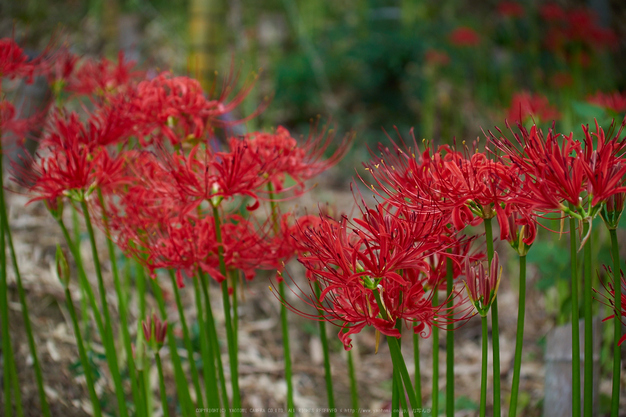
(70, 169)
(153, 327)
(9, 122)
(354, 261)
(482, 287)
(534, 106)
(301, 161)
(519, 228)
(510, 9)
(604, 166)
(615, 101)
(552, 12)
(552, 171)
(464, 36)
(103, 77)
(60, 69)
(13, 61)
(436, 58)
(610, 300)
(459, 249)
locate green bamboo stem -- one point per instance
(187, 341)
(208, 356)
(495, 338)
(182, 386)
(587, 296)
(232, 348)
(519, 338)
(327, 371)
(121, 300)
(435, 388)
(354, 391)
(213, 339)
(83, 354)
(483, 373)
(449, 342)
(575, 320)
(45, 409)
(617, 323)
(111, 354)
(166, 412)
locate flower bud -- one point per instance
(63, 268)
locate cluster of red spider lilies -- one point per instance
(142, 160)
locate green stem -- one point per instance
(83, 354)
(143, 359)
(7, 348)
(22, 296)
(208, 355)
(111, 354)
(418, 372)
(213, 339)
(435, 389)
(121, 300)
(327, 371)
(396, 355)
(232, 348)
(354, 391)
(400, 391)
(483, 373)
(182, 386)
(283, 316)
(519, 339)
(575, 321)
(449, 342)
(166, 412)
(617, 329)
(187, 341)
(495, 339)
(587, 296)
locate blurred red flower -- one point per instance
(464, 36)
(526, 106)
(510, 9)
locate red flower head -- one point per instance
(526, 106)
(552, 12)
(615, 101)
(510, 9)
(363, 267)
(464, 36)
(14, 62)
(436, 58)
(103, 77)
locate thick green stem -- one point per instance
(354, 391)
(519, 338)
(449, 342)
(121, 300)
(418, 372)
(111, 354)
(617, 280)
(495, 338)
(83, 355)
(187, 341)
(396, 356)
(233, 350)
(45, 409)
(575, 320)
(213, 339)
(483, 372)
(182, 385)
(587, 297)
(7, 348)
(166, 412)
(208, 355)
(142, 358)
(283, 316)
(327, 371)
(435, 388)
